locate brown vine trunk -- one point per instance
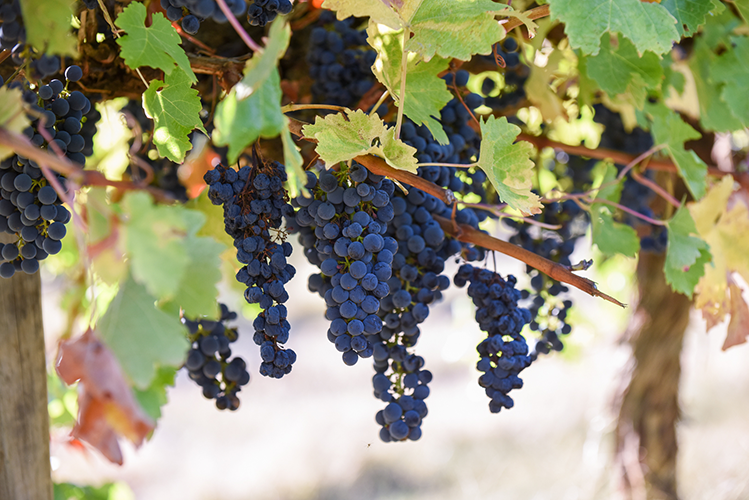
(24, 421)
(646, 448)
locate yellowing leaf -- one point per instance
(726, 230)
(378, 11)
(455, 28)
(156, 45)
(539, 91)
(738, 327)
(175, 109)
(341, 139)
(508, 165)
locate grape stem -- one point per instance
(555, 271)
(237, 27)
(656, 188)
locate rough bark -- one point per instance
(646, 431)
(24, 421)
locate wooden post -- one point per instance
(646, 444)
(24, 421)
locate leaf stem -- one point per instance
(404, 70)
(237, 27)
(656, 188)
(380, 101)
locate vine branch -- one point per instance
(466, 233)
(74, 172)
(555, 271)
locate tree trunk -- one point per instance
(24, 421)
(646, 448)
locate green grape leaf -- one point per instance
(175, 109)
(214, 220)
(378, 11)
(615, 68)
(743, 7)
(508, 165)
(240, 120)
(686, 255)
(455, 28)
(156, 46)
(732, 69)
(12, 116)
(197, 292)
(612, 237)
(154, 239)
(47, 24)
(154, 397)
(342, 138)
(689, 14)
(715, 114)
(426, 93)
(648, 25)
(669, 129)
(141, 336)
(260, 67)
(294, 163)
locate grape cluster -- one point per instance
(342, 230)
(255, 203)
(340, 61)
(548, 305)
(196, 11)
(402, 384)
(504, 353)
(261, 12)
(209, 357)
(29, 206)
(13, 38)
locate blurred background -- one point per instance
(312, 435)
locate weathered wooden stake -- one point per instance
(24, 421)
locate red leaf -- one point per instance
(738, 327)
(106, 405)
